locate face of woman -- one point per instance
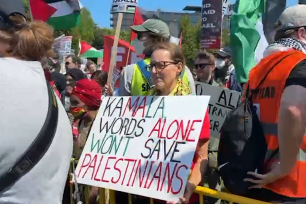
(165, 71)
(76, 102)
(69, 80)
(77, 107)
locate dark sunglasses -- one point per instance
(160, 65)
(67, 63)
(201, 66)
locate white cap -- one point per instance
(291, 18)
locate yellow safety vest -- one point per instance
(140, 86)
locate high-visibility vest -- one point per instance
(267, 99)
(140, 86)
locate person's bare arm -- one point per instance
(199, 168)
(291, 125)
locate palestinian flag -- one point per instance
(61, 14)
(87, 51)
(248, 40)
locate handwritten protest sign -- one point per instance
(222, 101)
(143, 145)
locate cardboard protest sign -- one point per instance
(143, 145)
(124, 6)
(222, 101)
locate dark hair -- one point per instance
(76, 74)
(175, 51)
(27, 40)
(203, 54)
(101, 77)
(75, 59)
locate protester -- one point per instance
(281, 104)
(74, 75)
(72, 62)
(24, 98)
(167, 63)
(205, 66)
(135, 80)
(90, 68)
(101, 77)
(59, 78)
(224, 73)
(85, 102)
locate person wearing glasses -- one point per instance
(205, 64)
(72, 62)
(135, 79)
(167, 63)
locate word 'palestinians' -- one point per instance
(125, 1)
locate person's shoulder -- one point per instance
(297, 75)
(129, 68)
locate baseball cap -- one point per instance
(291, 18)
(9, 7)
(225, 52)
(156, 26)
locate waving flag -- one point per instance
(87, 51)
(123, 49)
(247, 37)
(61, 14)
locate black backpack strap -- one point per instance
(37, 149)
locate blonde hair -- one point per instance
(29, 41)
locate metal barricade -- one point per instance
(202, 191)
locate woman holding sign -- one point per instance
(167, 63)
(85, 102)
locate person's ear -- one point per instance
(301, 34)
(179, 68)
(228, 61)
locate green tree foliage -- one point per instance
(191, 40)
(225, 38)
(27, 8)
(99, 33)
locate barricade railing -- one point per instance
(202, 191)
